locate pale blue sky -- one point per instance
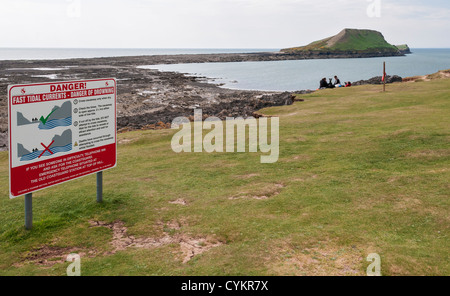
(216, 23)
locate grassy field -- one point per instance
(360, 172)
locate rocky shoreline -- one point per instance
(149, 99)
(146, 98)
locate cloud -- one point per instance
(215, 23)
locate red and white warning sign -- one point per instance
(60, 131)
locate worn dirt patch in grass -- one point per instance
(439, 171)
(300, 157)
(396, 133)
(394, 179)
(418, 137)
(218, 164)
(172, 225)
(296, 139)
(395, 269)
(266, 193)
(190, 246)
(429, 154)
(305, 178)
(341, 137)
(321, 259)
(179, 201)
(50, 255)
(406, 202)
(248, 176)
(126, 141)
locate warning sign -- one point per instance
(60, 131)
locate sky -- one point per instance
(216, 23)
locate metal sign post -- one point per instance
(28, 211)
(29, 202)
(100, 187)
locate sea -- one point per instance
(267, 76)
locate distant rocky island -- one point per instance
(350, 43)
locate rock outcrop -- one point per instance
(243, 106)
(378, 80)
(404, 49)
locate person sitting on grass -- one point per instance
(348, 84)
(337, 82)
(323, 83)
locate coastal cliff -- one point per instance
(404, 49)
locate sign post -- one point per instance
(60, 131)
(100, 187)
(28, 211)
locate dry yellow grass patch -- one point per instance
(341, 137)
(248, 176)
(126, 141)
(321, 259)
(296, 139)
(439, 171)
(300, 157)
(406, 202)
(428, 154)
(305, 178)
(264, 192)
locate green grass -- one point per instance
(363, 172)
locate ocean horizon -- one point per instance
(41, 53)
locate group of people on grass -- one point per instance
(330, 84)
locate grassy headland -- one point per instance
(360, 172)
(348, 40)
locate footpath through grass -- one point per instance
(360, 172)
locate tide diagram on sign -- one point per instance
(58, 144)
(56, 117)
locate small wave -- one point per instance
(55, 123)
(55, 150)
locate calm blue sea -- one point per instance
(276, 76)
(306, 74)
